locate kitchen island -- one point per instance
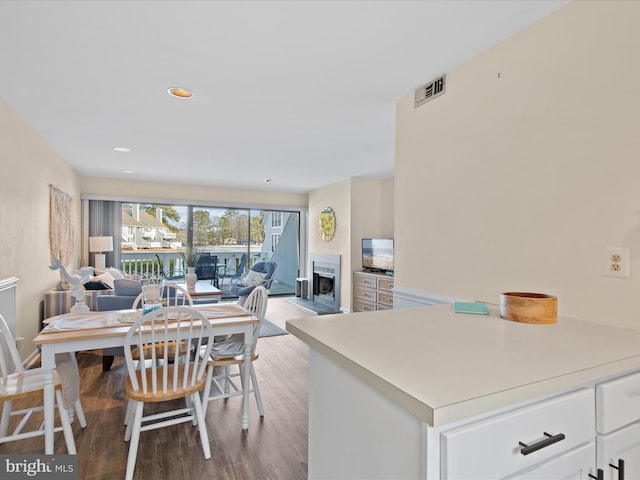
(426, 393)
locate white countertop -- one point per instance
(442, 366)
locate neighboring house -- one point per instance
(280, 238)
(273, 226)
(146, 231)
(130, 228)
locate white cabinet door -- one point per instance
(617, 403)
(574, 465)
(624, 445)
(495, 447)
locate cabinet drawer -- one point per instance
(365, 281)
(577, 463)
(385, 283)
(365, 294)
(386, 298)
(362, 306)
(490, 449)
(618, 403)
(623, 444)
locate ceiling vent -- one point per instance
(429, 91)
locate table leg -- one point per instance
(48, 365)
(246, 382)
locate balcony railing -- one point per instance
(155, 265)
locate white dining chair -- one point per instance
(17, 383)
(170, 374)
(221, 380)
(169, 295)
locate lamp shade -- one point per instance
(101, 244)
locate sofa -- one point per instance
(58, 300)
(125, 293)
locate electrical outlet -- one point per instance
(616, 262)
(19, 342)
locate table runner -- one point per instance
(118, 318)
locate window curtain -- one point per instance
(105, 219)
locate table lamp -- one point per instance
(98, 245)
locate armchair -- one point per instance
(261, 274)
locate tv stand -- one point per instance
(372, 291)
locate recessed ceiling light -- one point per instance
(121, 149)
(127, 171)
(266, 180)
(180, 92)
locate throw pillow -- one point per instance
(253, 278)
(127, 288)
(114, 272)
(104, 279)
(95, 286)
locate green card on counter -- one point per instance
(471, 307)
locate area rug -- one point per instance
(268, 329)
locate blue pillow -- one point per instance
(127, 288)
(95, 286)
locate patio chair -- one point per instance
(174, 275)
(21, 383)
(261, 274)
(170, 373)
(235, 273)
(206, 268)
(230, 352)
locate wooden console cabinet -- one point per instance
(372, 291)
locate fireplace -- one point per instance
(325, 280)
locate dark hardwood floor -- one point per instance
(274, 447)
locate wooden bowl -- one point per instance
(529, 307)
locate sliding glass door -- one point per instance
(230, 242)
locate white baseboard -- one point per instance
(406, 298)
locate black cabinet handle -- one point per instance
(545, 442)
(620, 468)
(600, 475)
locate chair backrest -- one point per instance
(172, 295)
(8, 344)
(242, 265)
(176, 332)
(205, 267)
(256, 303)
(269, 269)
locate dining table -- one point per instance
(69, 333)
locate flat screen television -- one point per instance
(377, 254)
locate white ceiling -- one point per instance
(302, 92)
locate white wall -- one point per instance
(363, 208)
(132, 189)
(528, 167)
(29, 166)
(336, 196)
